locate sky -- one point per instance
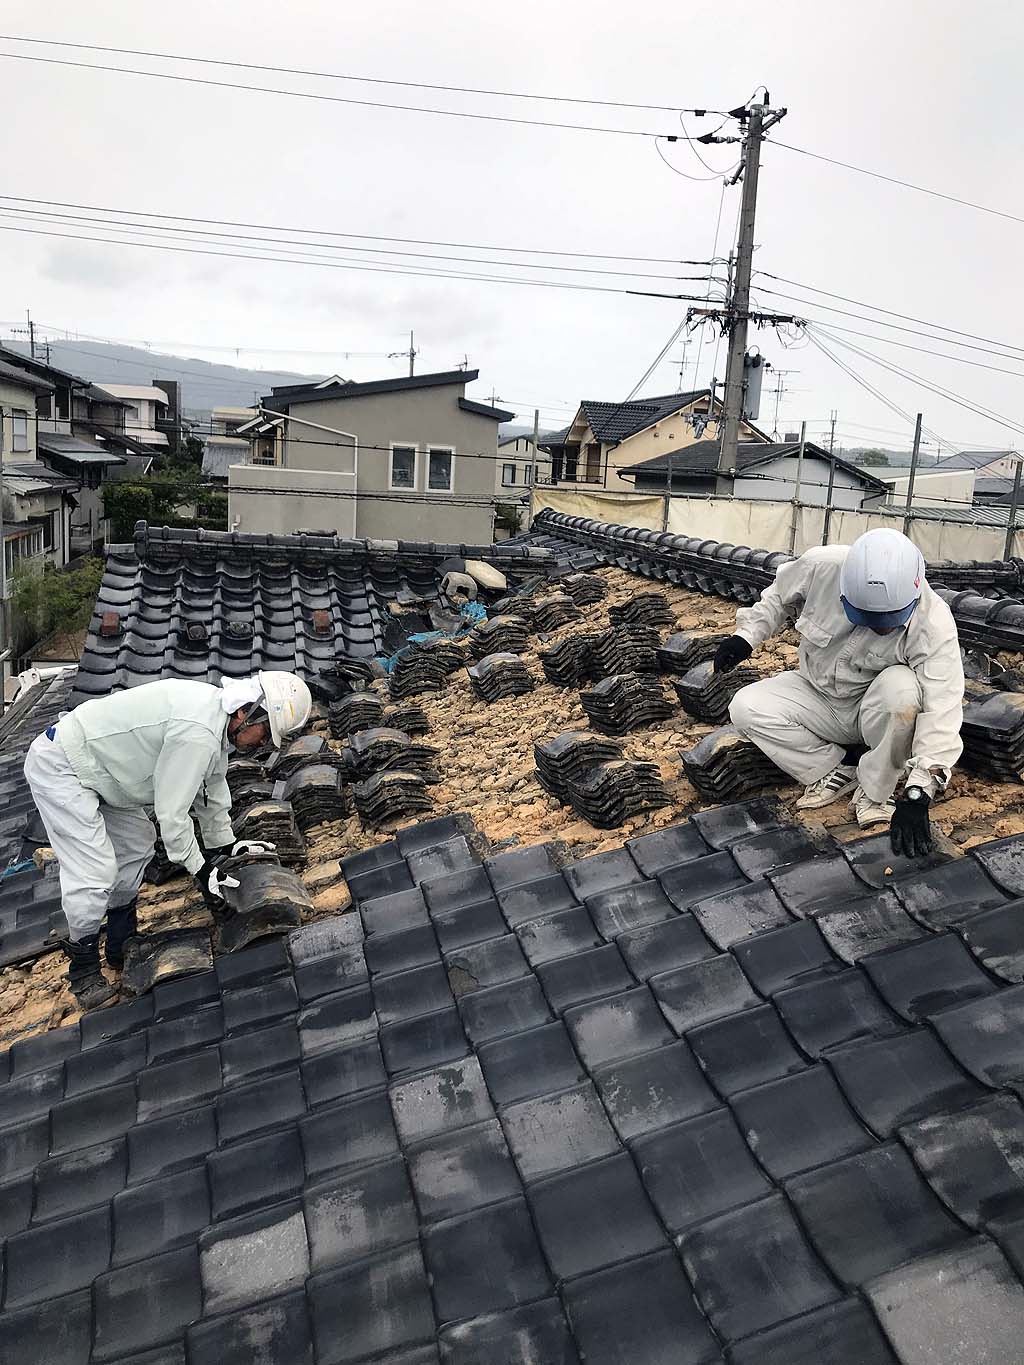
(920, 91)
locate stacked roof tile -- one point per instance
(726, 1093)
(207, 604)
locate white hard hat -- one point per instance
(881, 579)
(287, 701)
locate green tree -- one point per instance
(51, 601)
(507, 517)
(177, 497)
(873, 457)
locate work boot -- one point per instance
(122, 924)
(839, 782)
(870, 812)
(88, 984)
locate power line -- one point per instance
(335, 99)
(133, 225)
(904, 184)
(339, 265)
(355, 236)
(875, 308)
(923, 350)
(340, 76)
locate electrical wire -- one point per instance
(923, 350)
(904, 184)
(875, 308)
(356, 236)
(339, 265)
(334, 99)
(197, 234)
(675, 169)
(341, 76)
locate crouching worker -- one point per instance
(163, 745)
(880, 669)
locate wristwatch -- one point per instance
(915, 794)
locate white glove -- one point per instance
(248, 846)
(213, 882)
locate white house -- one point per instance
(148, 406)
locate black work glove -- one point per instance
(910, 829)
(212, 881)
(731, 652)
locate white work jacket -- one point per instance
(161, 745)
(841, 659)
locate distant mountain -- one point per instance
(203, 385)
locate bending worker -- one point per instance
(163, 745)
(880, 669)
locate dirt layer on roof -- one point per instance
(485, 761)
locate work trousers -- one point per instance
(805, 732)
(102, 851)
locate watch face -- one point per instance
(914, 794)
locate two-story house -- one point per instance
(392, 459)
(37, 501)
(225, 446)
(605, 439)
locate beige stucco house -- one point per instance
(606, 439)
(392, 459)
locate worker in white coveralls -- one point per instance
(880, 669)
(163, 745)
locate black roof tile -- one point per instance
(658, 1088)
(753, 1268)
(573, 980)
(972, 1159)
(537, 1061)
(146, 1303)
(561, 934)
(869, 1212)
(532, 899)
(359, 1212)
(554, 1132)
(835, 1009)
(426, 1041)
(485, 1261)
(928, 976)
(537, 1331)
(248, 1259)
(621, 1133)
(673, 943)
(501, 1010)
(56, 1258)
(248, 1175)
(59, 1331)
(844, 1333)
(798, 1122)
(640, 1310)
(341, 1071)
(279, 1330)
(160, 1215)
(961, 1305)
(462, 1170)
(594, 1216)
(698, 1168)
(380, 1305)
(703, 990)
(890, 1081)
(691, 882)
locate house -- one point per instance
(409, 458)
(987, 464)
(764, 472)
(77, 432)
(224, 446)
(605, 439)
(147, 412)
(517, 462)
(38, 501)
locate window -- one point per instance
(439, 469)
(403, 467)
(19, 428)
(26, 545)
(264, 453)
(528, 474)
(508, 475)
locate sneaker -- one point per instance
(870, 812)
(838, 783)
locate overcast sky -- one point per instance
(919, 91)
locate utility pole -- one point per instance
(30, 332)
(914, 457)
(758, 119)
(412, 355)
(796, 490)
(831, 479)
